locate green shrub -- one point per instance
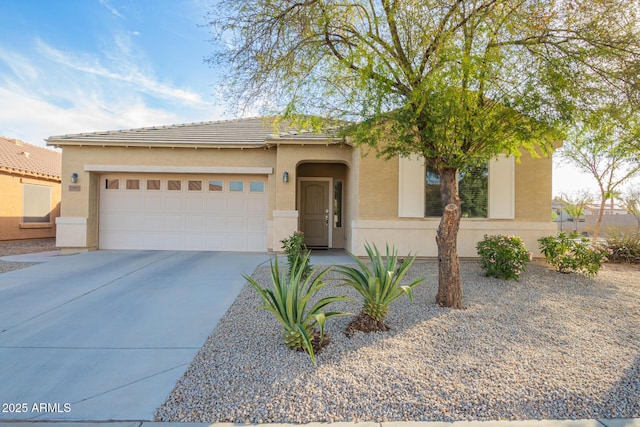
(380, 285)
(624, 246)
(568, 255)
(296, 250)
(504, 257)
(289, 299)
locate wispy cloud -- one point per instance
(19, 65)
(107, 4)
(54, 92)
(127, 72)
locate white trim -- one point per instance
(411, 182)
(501, 203)
(330, 204)
(240, 170)
(76, 220)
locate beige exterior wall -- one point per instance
(370, 204)
(11, 200)
(533, 188)
(377, 188)
(378, 219)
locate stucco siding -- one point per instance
(533, 188)
(377, 188)
(12, 226)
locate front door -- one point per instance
(314, 207)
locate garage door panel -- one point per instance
(255, 224)
(236, 224)
(235, 242)
(195, 242)
(173, 203)
(256, 206)
(195, 204)
(193, 222)
(215, 242)
(236, 206)
(255, 243)
(215, 223)
(132, 222)
(190, 217)
(153, 201)
(153, 222)
(174, 222)
(133, 201)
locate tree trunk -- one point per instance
(596, 229)
(449, 281)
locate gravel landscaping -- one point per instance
(19, 247)
(551, 346)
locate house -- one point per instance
(245, 184)
(29, 190)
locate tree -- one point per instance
(631, 202)
(574, 206)
(456, 81)
(604, 144)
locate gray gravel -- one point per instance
(552, 346)
(18, 247)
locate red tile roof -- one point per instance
(18, 156)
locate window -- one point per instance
(36, 203)
(236, 186)
(174, 185)
(215, 185)
(133, 184)
(195, 186)
(473, 184)
(337, 204)
(153, 184)
(256, 186)
(112, 184)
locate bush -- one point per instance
(568, 255)
(380, 285)
(504, 257)
(289, 298)
(296, 251)
(624, 246)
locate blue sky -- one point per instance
(71, 66)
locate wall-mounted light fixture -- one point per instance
(74, 178)
(285, 176)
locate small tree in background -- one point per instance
(575, 205)
(605, 144)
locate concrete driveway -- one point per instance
(105, 335)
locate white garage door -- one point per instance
(177, 212)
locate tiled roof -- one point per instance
(239, 132)
(18, 156)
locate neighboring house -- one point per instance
(29, 190)
(242, 185)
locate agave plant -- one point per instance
(380, 285)
(289, 300)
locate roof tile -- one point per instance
(22, 157)
(246, 131)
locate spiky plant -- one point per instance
(380, 285)
(289, 299)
